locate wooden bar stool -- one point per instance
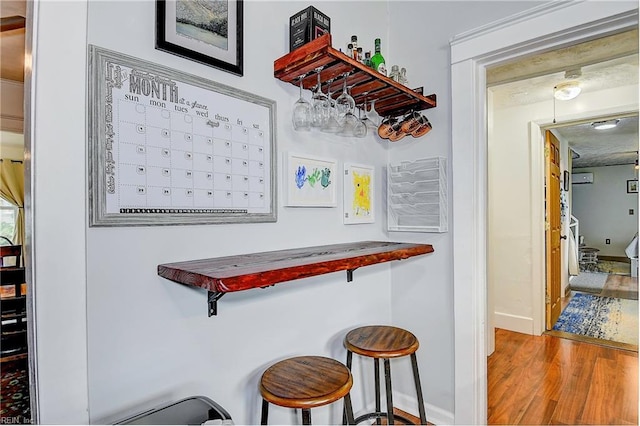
(386, 342)
(306, 382)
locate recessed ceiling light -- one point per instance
(567, 90)
(604, 125)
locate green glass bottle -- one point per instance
(377, 60)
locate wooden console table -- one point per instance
(223, 275)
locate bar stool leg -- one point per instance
(345, 419)
(416, 378)
(265, 412)
(306, 416)
(387, 379)
(376, 372)
(348, 410)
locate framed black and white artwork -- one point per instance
(206, 31)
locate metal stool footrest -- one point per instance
(381, 415)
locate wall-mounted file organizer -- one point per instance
(417, 196)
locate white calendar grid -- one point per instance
(170, 161)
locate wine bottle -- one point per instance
(377, 60)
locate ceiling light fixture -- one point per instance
(567, 90)
(604, 125)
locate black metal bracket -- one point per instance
(212, 300)
(350, 274)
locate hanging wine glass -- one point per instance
(349, 120)
(344, 102)
(372, 114)
(369, 123)
(320, 105)
(360, 128)
(302, 112)
(332, 125)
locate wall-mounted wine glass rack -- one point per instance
(392, 98)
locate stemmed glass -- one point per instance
(372, 114)
(368, 118)
(302, 112)
(360, 128)
(332, 125)
(321, 105)
(349, 119)
(344, 103)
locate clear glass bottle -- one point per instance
(354, 48)
(377, 60)
(395, 73)
(403, 77)
(367, 59)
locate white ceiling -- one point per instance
(609, 147)
(594, 147)
(600, 76)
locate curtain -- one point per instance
(12, 190)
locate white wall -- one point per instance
(118, 336)
(603, 208)
(160, 344)
(422, 298)
(511, 203)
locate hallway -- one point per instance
(547, 380)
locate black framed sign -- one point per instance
(209, 32)
(170, 148)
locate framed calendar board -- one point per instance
(170, 148)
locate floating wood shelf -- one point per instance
(392, 98)
(223, 275)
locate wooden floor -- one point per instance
(540, 380)
(624, 287)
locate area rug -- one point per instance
(613, 267)
(14, 392)
(605, 318)
(591, 282)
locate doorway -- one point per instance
(600, 292)
(19, 376)
(550, 27)
(519, 112)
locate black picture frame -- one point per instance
(171, 39)
(632, 186)
(566, 180)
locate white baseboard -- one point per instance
(435, 415)
(515, 323)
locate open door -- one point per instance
(552, 227)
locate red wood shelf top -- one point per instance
(243, 272)
(392, 98)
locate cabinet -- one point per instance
(13, 330)
(417, 195)
(392, 98)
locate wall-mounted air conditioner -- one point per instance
(577, 178)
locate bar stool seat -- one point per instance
(306, 382)
(385, 342)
